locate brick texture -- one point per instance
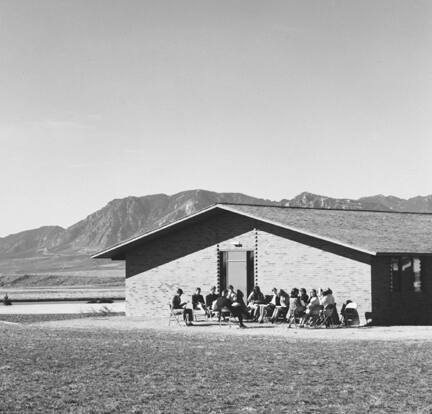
(188, 259)
(285, 264)
(153, 289)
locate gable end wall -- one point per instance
(280, 263)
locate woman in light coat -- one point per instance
(281, 309)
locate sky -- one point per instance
(103, 99)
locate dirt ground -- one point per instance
(123, 323)
(121, 365)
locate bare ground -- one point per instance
(123, 323)
(110, 365)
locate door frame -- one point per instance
(250, 265)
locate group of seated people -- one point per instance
(297, 305)
(227, 300)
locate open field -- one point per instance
(75, 285)
(71, 293)
(81, 366)
(66, 279)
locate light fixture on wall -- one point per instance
(237, 243)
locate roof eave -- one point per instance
(404, 253)
(117, 252)
(110, 253)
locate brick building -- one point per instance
(381, 260)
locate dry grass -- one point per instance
(59, 280)
(35, 318)
(101, 371)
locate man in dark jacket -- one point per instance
(198, 300)
(223, 302)
(176, 303)
(211, 297)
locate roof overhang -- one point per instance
(118, 251)
(403, 254)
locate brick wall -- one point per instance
(154, 288)
(285, 264)
(185, 259)
(145, 291)
(154, 271)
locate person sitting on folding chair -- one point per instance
(231, 295)
(350, 316)
(223, 302)
(296, 308)
(239, 302)
(304, 296)
(198, 303)
(270, 307)
(312, 308)
(255, 298)
(176, 303)
(281, 307)
(327, 300)
(211, 297)
(198, 300)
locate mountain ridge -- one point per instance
(54, 248)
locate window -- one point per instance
(405, 271)
(417, 284)
(395, 275)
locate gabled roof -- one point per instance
(371, 232)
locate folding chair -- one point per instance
(176, 315)
(368, 317)
(326, 317)
(315, 317)
(294, 317)
(351, 316)
(199, 312)
(281, 314)
(226, 313)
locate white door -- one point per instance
(237, 270)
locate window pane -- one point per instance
(406, 264)
(407, 273)
(237, 256)
(417, 275)
(395, 274)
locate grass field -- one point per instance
(150, 371)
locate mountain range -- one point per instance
(53, 249)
